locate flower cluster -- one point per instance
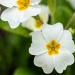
(19, 11)
(52, 45)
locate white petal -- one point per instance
(31, 11)
(67, 42)
(35, 2)
(62, 60)
(44, 15)
(44, 61)
(38, 44)
(72, 2)
(8, 3)
(13, 16)
(30, 24)
(52, 32)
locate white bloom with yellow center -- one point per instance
(53, 47)
(19, 11)
(36, 23)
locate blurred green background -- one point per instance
(14, 43)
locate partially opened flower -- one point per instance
(72, 2)
(53, 47)
(36, 23)
(19, 11)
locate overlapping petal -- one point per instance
(52, 32)
(38, 46)
(62, 60)
(8, 3)
(44, 61)
(15, 17)
(43, 17)
(34, 2)
(67, 42)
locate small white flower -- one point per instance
(19, 11)
(36, 23)
(53, 47)
(72, 2)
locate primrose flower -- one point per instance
(36, 23)
(19, 11)
(72, 2)
(53, 47)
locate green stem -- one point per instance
(52, 8)
(70, 21)
(52, 19)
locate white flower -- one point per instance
(36, 23)
(53, 47)
(72, 2)
(19, 11)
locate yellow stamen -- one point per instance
(38, 24)
(23, 4)
(53, 47)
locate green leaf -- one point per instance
(20, 71)
(71, 25)
(52, 6)
(62, 14)
(23, 71)
(18, 31)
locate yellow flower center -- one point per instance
(38, 24)
(53, 47)
(23, 4)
